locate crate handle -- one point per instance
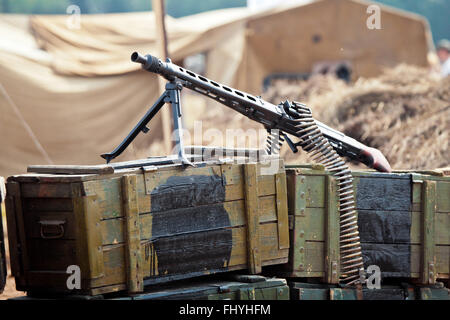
(50, 224)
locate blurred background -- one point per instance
(376, 70)
(68, 91)
(433, 10)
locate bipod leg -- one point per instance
(140, 127)
(173, 97)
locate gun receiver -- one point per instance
(285, 117)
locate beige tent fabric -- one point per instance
(73, 119)
(283, 41)
(103, 43)
(68, 95)
(80, 97)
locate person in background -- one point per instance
(443, 52)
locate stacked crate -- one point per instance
(404, 291)
(403, 220)
(217, 287)
(130, 228)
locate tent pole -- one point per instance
(159, 11)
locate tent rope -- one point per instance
(26, 125)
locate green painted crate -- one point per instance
(403, 218)
(251, 287)
(134, 227)
(223, 287)
(307, 291)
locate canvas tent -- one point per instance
(68, 95)
(294, 40)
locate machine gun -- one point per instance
(324, 144)
(286, 117)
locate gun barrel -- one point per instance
(148, 62)
(138, 58)
(251, 106)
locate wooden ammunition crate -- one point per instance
(403, 221)
(136, 227)
(2, 239)
(236, 287)
(307, 291)
(224, 287)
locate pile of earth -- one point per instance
(405, 113)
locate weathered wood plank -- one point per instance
(416, 227)
(115, 273)
(314, 220)
(428, 232)
(109, 195)
(314, 265)
(367, 294)
(314, 251)
(13, 191)
(434, 294)
(313, 224)
(394, 260)
(47, 205)
(298, 244)
(310, 294)
(305, 190)
(61, 253)
(133, 256)
(69, 169)
(13, 239)
(332, 249)
(47, 281)
(383, 194)
(385, 226)
(45, 190)
(251, 213)
(315, 190)
(281, 211)
(443, 196)
(113, 268)
(442, 261)
(89, 242)
(154, 179)
(194, 220)
(442, 228)
(417, 194)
